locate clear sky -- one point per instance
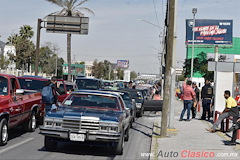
(115, 32)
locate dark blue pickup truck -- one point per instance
(90, 117)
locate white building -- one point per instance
(88, 69)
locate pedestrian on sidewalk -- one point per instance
(231, 109)
(189, 97)
(195, 104)
(206, 96)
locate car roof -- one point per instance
(84, 78)
(122, 91)
(105, 93)
(33, 78)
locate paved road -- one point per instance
(27, 146)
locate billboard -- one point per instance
(65, 24)
(209, 31)
(123, 63)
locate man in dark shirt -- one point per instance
(194, 107)
(206, 96)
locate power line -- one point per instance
(156, 12)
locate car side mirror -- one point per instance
(19, 91)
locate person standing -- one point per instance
(206, 96)
(194, 107)
(189, 97)
(53, 93)
(231, 109)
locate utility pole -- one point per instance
(37, 46)
(169, 53)
(173, 74)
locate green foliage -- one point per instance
(120, 73)
(133, 75)
(200, 64)
(3, 62)
(102, 70)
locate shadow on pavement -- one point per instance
(78, 149)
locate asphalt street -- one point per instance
(23, 145)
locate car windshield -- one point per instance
(87, 84)
(3, 86)
(126, 97)
(92, 101)
(31, 84)
(137, 95)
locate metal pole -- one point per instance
(193, 35)
(37, 46)
(56, 64)
(173, 72)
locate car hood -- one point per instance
(74, 112)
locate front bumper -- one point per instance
(89, 135)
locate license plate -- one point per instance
(77, 137)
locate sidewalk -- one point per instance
(190, 140)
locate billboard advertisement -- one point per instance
(123, 63)
(209, 31)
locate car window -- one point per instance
(3, 86)
(87, 84)
(126, 97)
(32, 84)
(92, 101)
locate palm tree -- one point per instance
(70, 8)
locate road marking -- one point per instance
(15, 145)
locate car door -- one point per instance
(63, 94)
(126, 113)
(16, 106)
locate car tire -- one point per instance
(126, 136)
(3, 132)
(31, 124)
(118, 150)
(50, 144)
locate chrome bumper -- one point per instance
(89, 135)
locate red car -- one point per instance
(17, 106)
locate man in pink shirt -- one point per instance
(189, 96)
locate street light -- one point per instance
(194, 11)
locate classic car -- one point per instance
(126, 96)
(89, 83)
(17, 106)
(138, 98)
(88, 116)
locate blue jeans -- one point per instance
(206, 108)
(187, 106)
(48, 108)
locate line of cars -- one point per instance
(90, 115)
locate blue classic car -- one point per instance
(88, 116)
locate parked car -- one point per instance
(127, 98)
(89, 83)
(138, 98)
(37, 83)
(90, 117)
(17, 106)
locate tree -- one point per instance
(70, 8)
(133, 75)
(3, 62)
(201, 65)
(25, 48)
(120, 73)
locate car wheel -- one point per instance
(49, 143)
(120, 145)
(31, 124)
(126, 136)
(3, 132)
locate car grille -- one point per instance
(78, 124)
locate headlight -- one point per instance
(51, 122)
(109, 127)
(138, 105)
(113, 129)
